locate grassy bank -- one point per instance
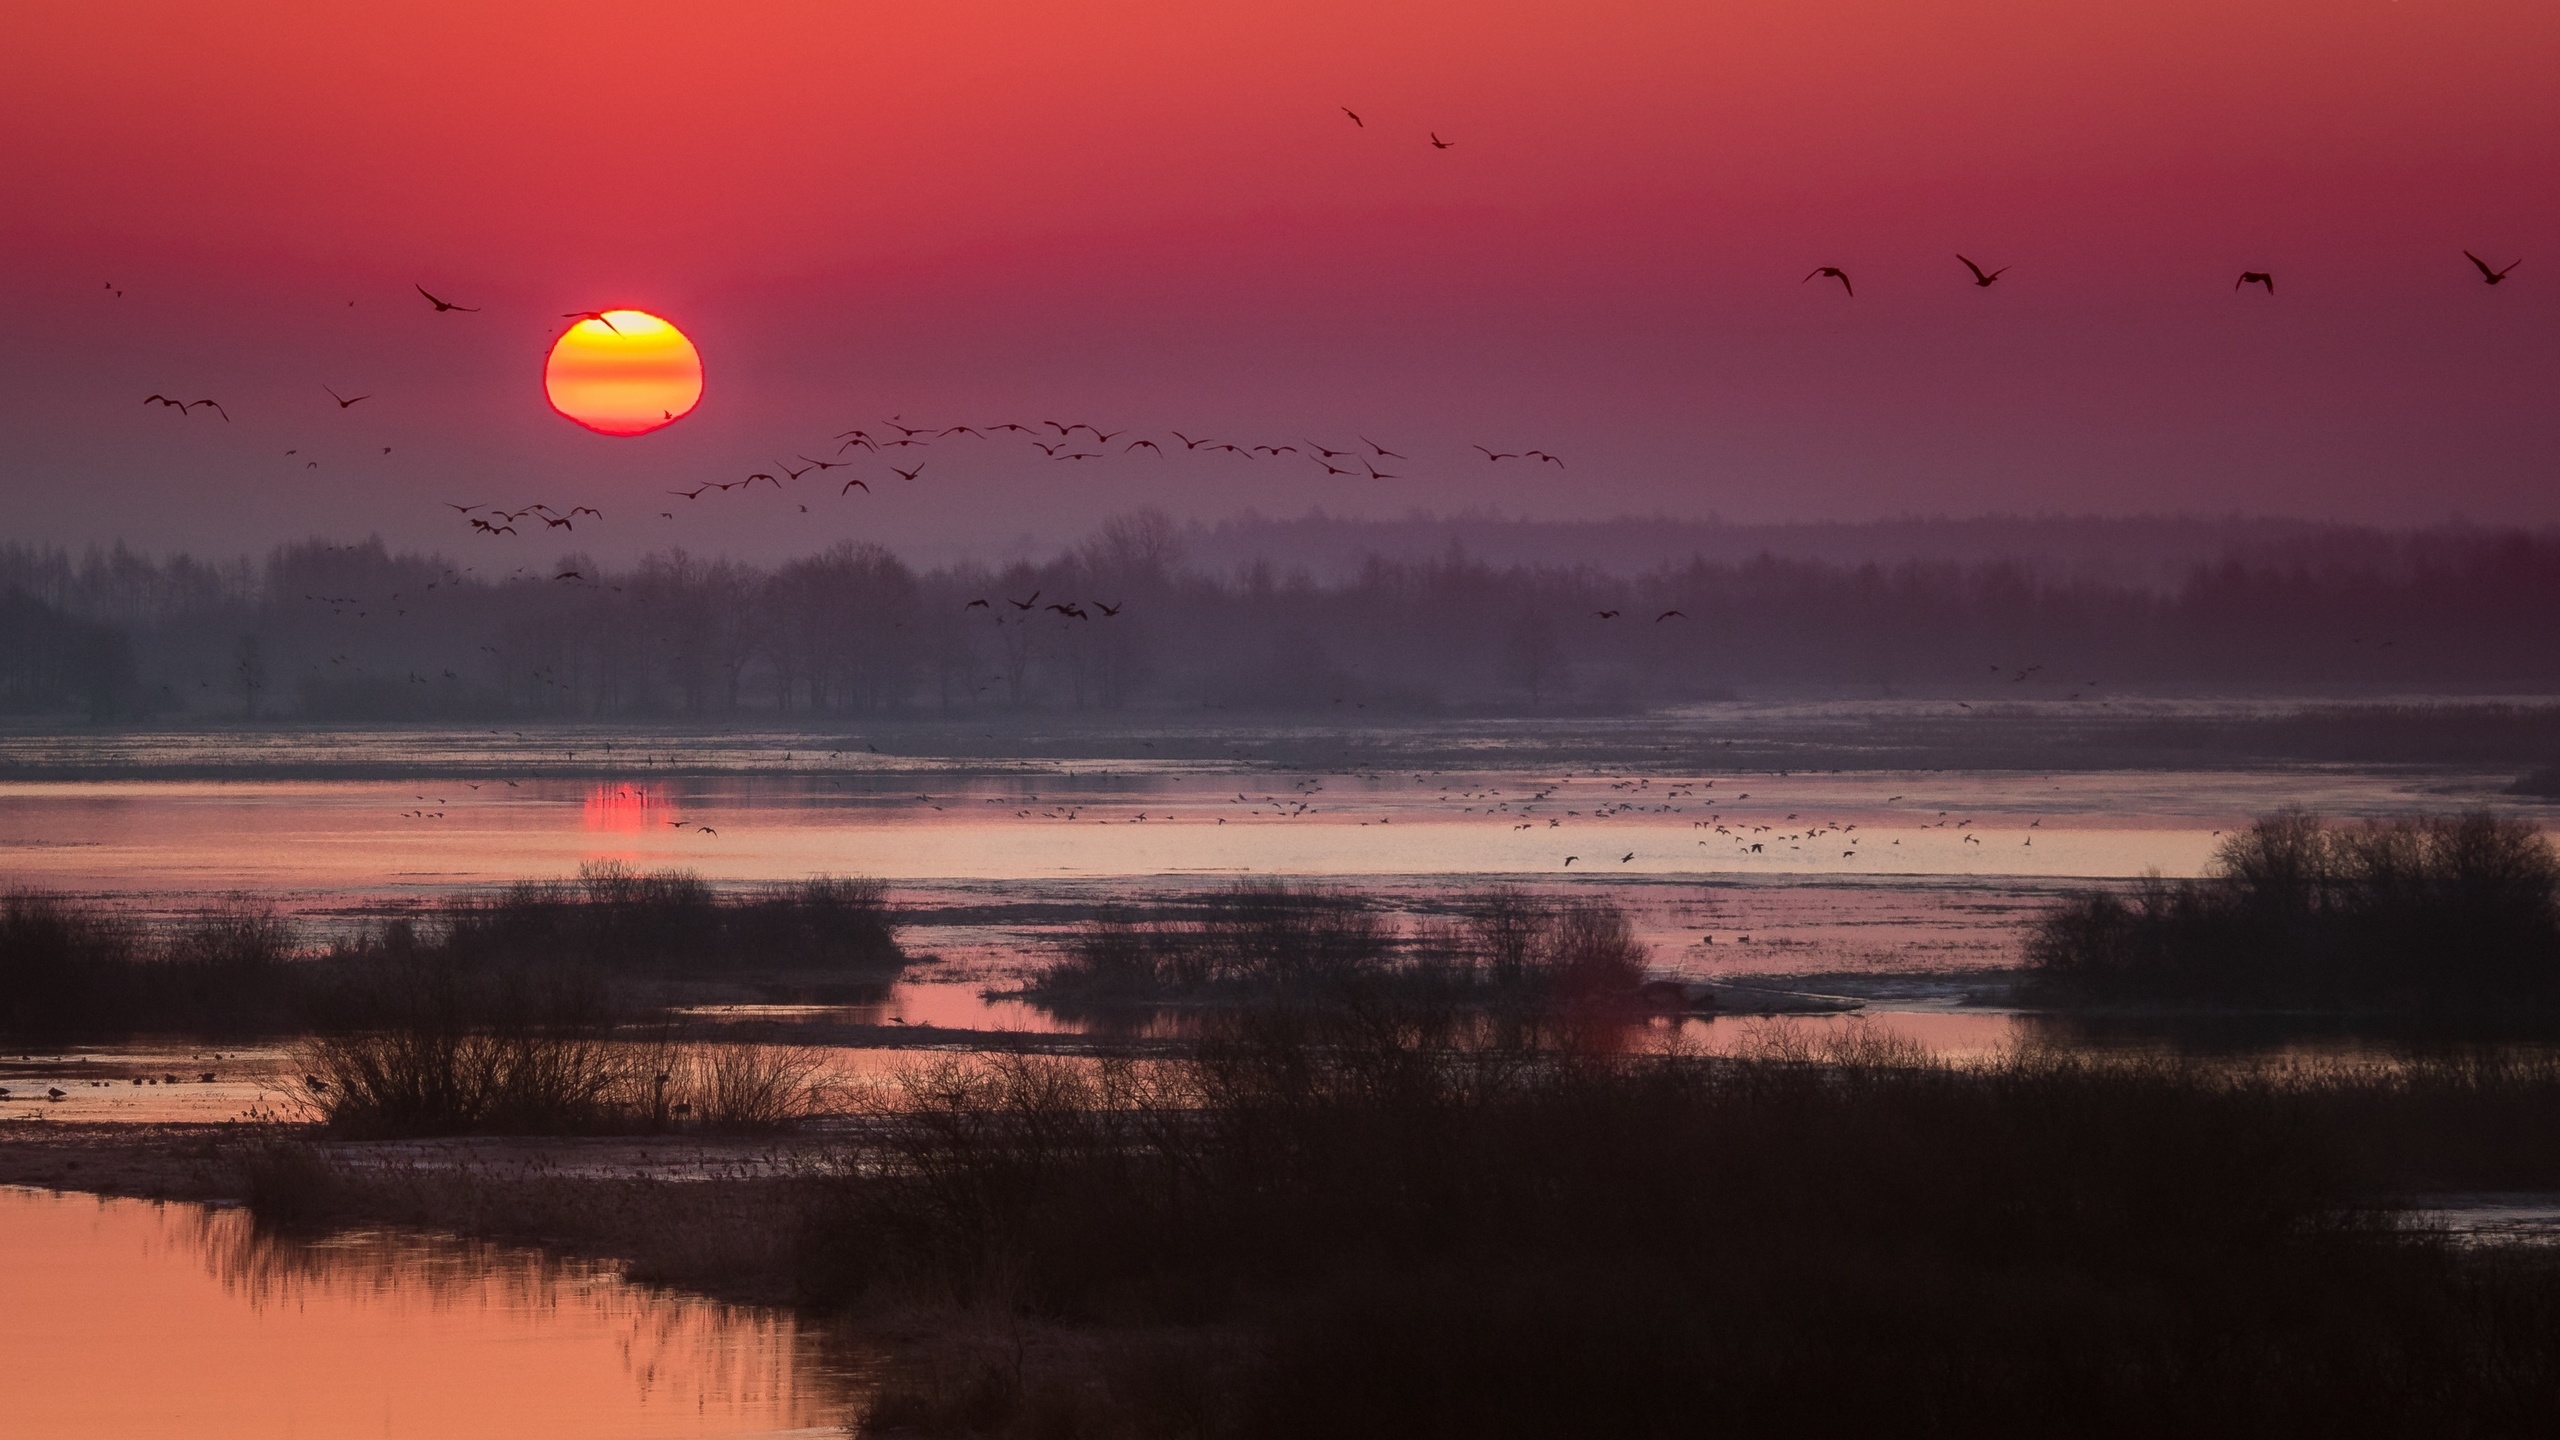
(2440, 912)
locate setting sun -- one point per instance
(623, 372)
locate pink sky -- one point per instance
(1154, 215)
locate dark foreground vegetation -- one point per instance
(608, 949)
(1319, 1227)
(2441, 913)
(1506, 951)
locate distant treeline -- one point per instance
(1128, 618)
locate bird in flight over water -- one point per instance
(1355, 117)
(1836, 273)
(1980, 277)
(2255, 277)
(342, 403)
(1439, 144)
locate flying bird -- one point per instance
(1669, 615)
(1606, 614)
(976, 605)
(849, 484)
(444, 305)
(1439, 144)
(597, 316)
(1029, 604)
(1979, 276)
(1836, 273)
(2486, 274)
(1149, 444)
(343, 403)
(1490, 455)
(218, 410)
(2255, 277)
(1355, 117)
(1383, 452)
(906, 474)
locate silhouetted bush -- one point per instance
(2442, 911)
(671, 923)
(1266, 941)
(72, 967)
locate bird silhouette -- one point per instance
(1355, 117)
(1491, 455)
(1669, 615)
(1143, 445)
(1606, 614)
(2486, 274)
(1836, 273)
(849, 484)
(2255, 277)
(1029, 604)
(342, 402)
(906, 474)
(1980, 277)
(1439, 144)
(976, 605)
(444, 305)
(597, 316)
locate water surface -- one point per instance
(128, 1320)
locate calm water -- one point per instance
(243, 1337)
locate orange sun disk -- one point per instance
(626, 374)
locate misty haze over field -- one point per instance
(1471, 614)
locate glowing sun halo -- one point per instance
(626, 374)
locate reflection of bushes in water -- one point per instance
(1264, 940)
(615, 918)
(1364, 1237)
(70, 966)
(2441, 909)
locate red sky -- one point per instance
(1153, 214)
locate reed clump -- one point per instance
(2443, 911)
(1268, 942)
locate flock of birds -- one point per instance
(1985, 279)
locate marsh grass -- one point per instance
(2441, 912)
